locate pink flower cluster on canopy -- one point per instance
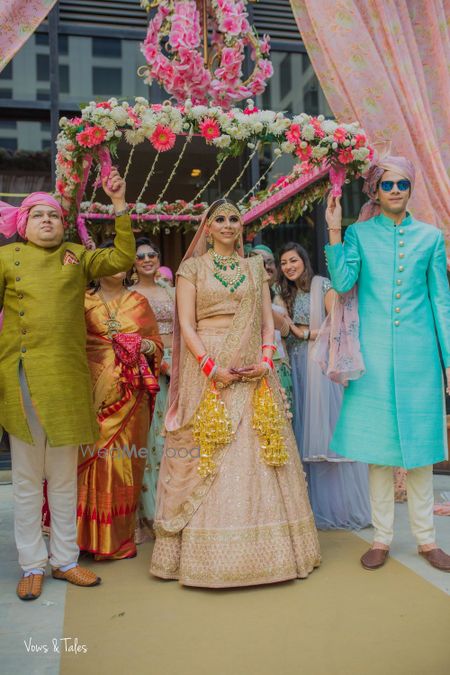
(311, 136)
(89, 137)
(180, 68)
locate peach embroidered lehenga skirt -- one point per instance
(250, 523)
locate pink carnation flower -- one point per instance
(60, 186)
(163, 138)
(132, 115)
(294, 134)
(319, 132)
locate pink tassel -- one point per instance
(337, 178)
(104, 158)
(82, 231)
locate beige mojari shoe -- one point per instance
(30, 587)
(79, 576)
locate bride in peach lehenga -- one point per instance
(232, 507)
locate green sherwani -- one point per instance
(42, 294)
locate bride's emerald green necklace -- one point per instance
(227, 270)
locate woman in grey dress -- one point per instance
(339, 491)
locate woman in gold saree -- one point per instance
(232, 506)
(124, 351)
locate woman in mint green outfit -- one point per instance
(161, 298)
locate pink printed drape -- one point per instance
(18, 20)
(385, 63)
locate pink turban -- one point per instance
(166, 272)
(14, 218)
(399, 165)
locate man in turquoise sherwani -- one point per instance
(394, 415)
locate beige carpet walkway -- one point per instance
(341, 621)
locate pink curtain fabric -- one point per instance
(385, 64)
(18, 20)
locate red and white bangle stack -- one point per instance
(207, 366)
(267, 362)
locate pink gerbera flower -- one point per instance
(84, 138)
(361, 141)
(163, 138)
(340, 135)
(251, 111)
(303, 153)
(345, 156)
(98, 135)
(209, 129)
(104, 104)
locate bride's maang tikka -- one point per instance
(223, 208)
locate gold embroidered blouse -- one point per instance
(212, 298)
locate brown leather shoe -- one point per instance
(437, 558)
(30, 587)
(374, 558)
(80, 576)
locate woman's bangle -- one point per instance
(267, 362)
(122, 212)
(203, 360)
(306, 334)
(149, 347)
(212, 373)
(334, 229)
(208, 366)
(200, 357)
(273, 347)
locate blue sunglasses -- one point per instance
(387, 185)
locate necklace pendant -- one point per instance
(112, 327)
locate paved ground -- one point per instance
(43, 620)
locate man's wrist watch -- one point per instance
(122, 212)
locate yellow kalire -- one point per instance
(268, 422)
(212, 428)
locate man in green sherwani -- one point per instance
(394, 415)
(45, 386)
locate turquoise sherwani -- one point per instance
(394, 414)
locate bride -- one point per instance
(232, 506)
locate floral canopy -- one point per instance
(89, 141)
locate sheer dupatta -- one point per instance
(323, 395)
(337, 348)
